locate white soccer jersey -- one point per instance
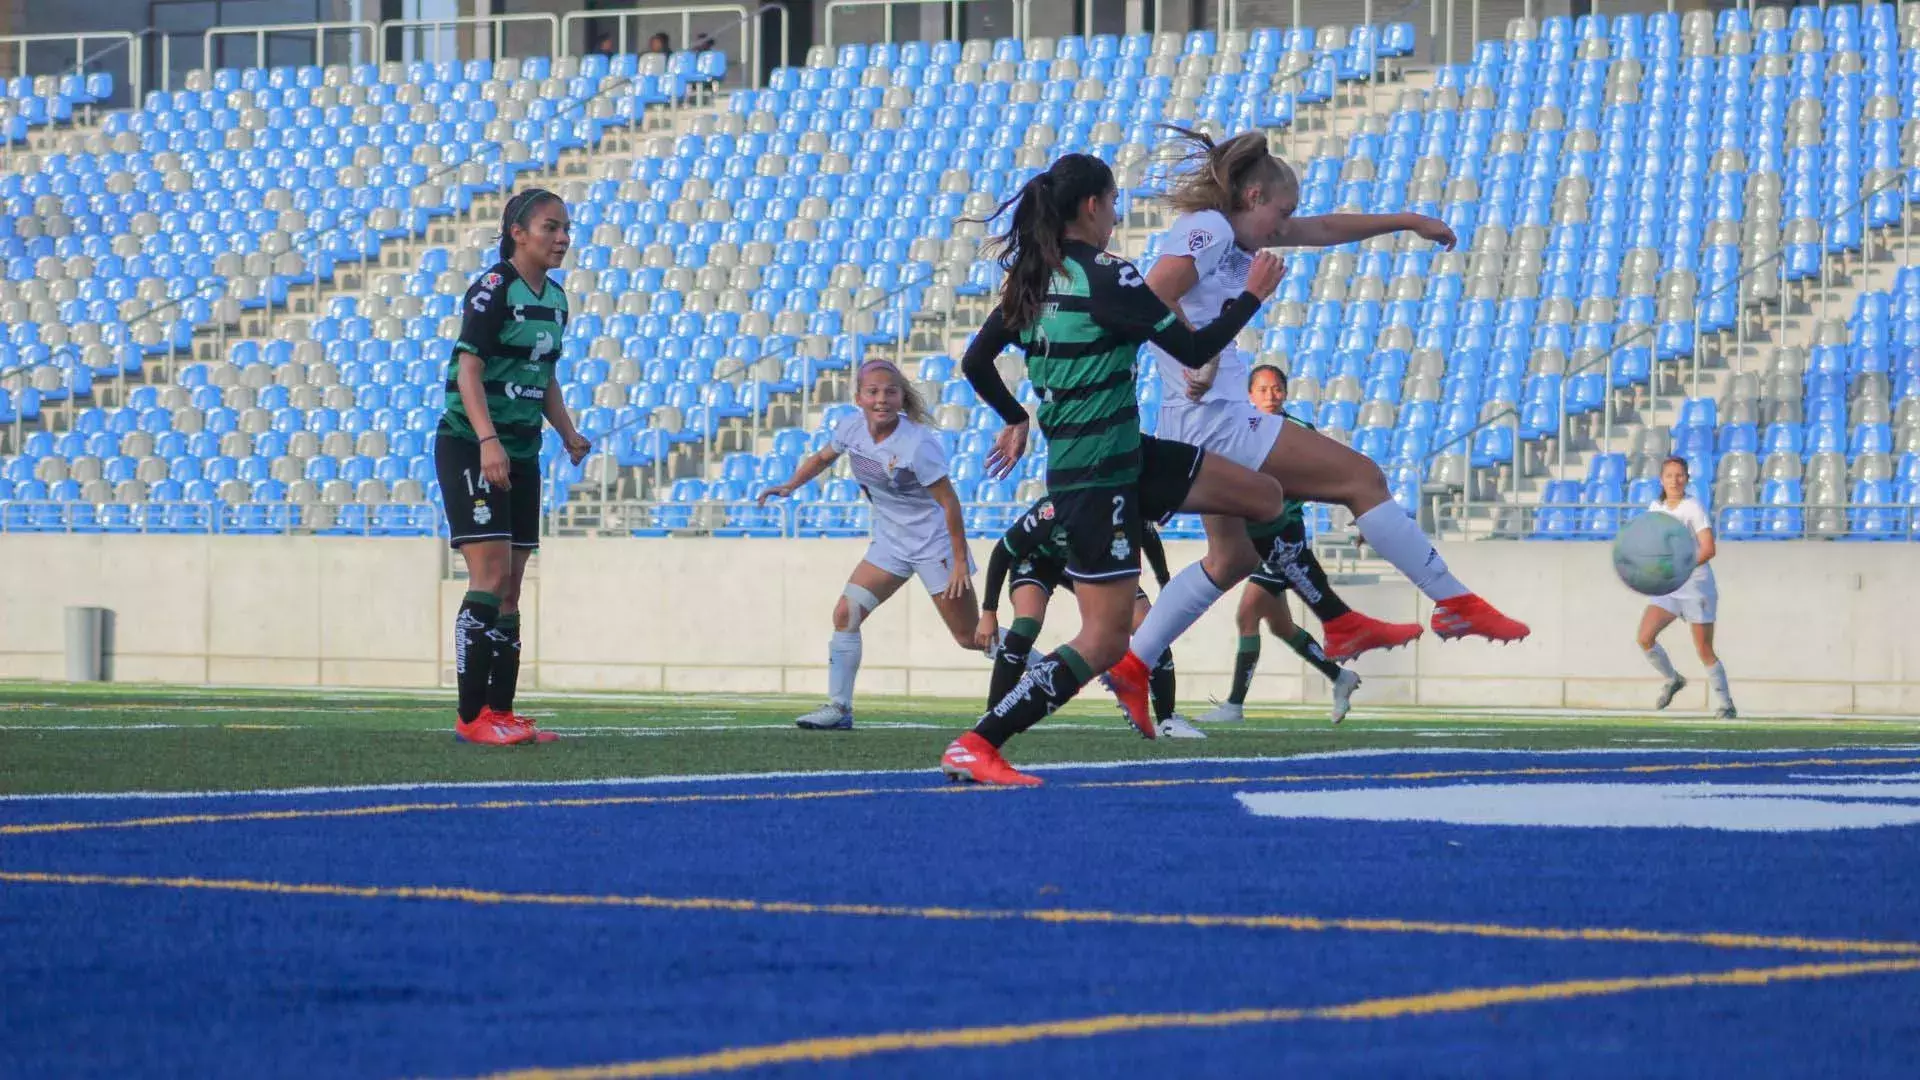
(1699, 584)
(894, 473)
(1207, 237)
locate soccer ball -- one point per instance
(1654, 554)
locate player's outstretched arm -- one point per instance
(810, 466)
(1332, 230)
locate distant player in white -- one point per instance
(901, 465)
(1235, 198)
(1694, 601)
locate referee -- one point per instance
(487, 454)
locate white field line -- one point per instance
(713, 778)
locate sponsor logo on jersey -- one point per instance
(520, 392)
(492, 280)
(1046, 511)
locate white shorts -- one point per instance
(930, 560)
(1697, 607)
(1235, 430)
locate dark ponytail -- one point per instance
(518, 209)
(1029, 251)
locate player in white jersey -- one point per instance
(1694, 602)
(1235, 198)
(901, 465)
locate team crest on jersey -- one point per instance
(1025, 567)
(482, 514)
(1121, 549)
(1046, 512)
(1199, 240)
(492, 279)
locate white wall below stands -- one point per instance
(1806, 627)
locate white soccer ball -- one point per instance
(1654, 554)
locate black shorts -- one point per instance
(1104, 525)
(476, 510)
(1047, 575)
(1167, 472)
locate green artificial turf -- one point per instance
(59, 738)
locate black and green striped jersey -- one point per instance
(1080, 357)
(516, 334)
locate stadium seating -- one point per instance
(1610, 178)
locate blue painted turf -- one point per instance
(106, 979)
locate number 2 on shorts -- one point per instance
(1119, 508)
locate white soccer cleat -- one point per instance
(828, 717)
(1179, 727)
(1727, 712)
(1224, 712)
(1672, 687)
(1343, 688)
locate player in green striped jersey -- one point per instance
(500, 385)
(1080, 315)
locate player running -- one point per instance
(1696, 601)
(487, 455)
(1080, 315)
(1236, 199)
(901, 466)
(1035, 553)
(1288, 562)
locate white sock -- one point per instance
(1389, 531)
(843, 663)
(1657, 656)
(1717, 678)
(1179, 605)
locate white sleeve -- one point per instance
(1204, 237)
(843, 433)
(929, 459)
(1696, 517)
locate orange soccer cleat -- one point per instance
(1352, 634)
(1470, 616)
(974, 759)
(492, 728)
(1128, 681)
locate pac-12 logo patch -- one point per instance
(1199, 240)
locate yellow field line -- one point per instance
(1053, 916)
(851, 1047)
(40, 828)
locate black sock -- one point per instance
(473, 650)
(506, 662)
(1160, 685)
(1011, 661)
(1309, 579)
(1245, 659)
(1303, 643)
(1043, 688)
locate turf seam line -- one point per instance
(1461, 1000)
(1049, 916)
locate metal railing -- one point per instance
(1601, 521)
(260, 34)
(1022, 15)
(117, 41)
(220, 518)
(745, 22)
(490, 30)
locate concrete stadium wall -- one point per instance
(1806, 627)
